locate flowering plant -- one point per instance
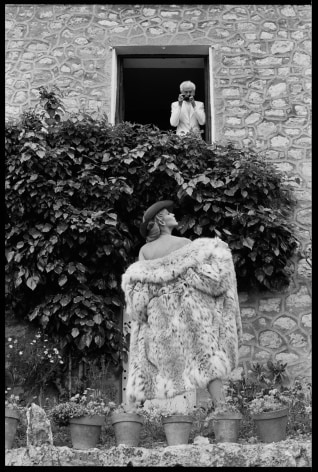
(272, 401)
(12, 401)
(157, 413)
(126, 408)
(79, 405)
(34, 363)
(228, 406)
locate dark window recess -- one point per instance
(146, 92)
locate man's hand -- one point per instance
(192, 101)
(180, 99)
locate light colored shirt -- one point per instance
(187, 118)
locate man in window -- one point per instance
(187, 114)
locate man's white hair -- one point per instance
(187, 83)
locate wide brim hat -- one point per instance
(151, 212)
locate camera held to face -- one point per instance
(186, 97)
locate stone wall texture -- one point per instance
(262, 89)
(289, 453)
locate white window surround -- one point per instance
(204, 50)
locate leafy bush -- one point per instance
(75, 194)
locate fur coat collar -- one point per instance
(185, 317)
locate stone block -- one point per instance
(231, 92)
(297, 340)
(255, 97)
(218, 33)
(304, 269)
(306, 321)
(269, 61)
(303, 141)
(253, 118)
(284, 323)
(265, 35)
(266, 128)
(171, 13)
(301, 59)
(261, 355)
(282, 47)
(288, 11)
(270, 25)
(277, 89)
(284, 167)
(287, 357)
(270, 339)
(235, 133)
(39, 427)
(246, 26)
(257, 48)
(250, 36)
(20, 97)
(279, 141)
(301, 300)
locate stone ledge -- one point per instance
(289, 453)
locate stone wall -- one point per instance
(262, 89)
(289, 453)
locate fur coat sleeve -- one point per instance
(186, 322)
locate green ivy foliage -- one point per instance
(75, 193)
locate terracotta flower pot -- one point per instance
(271, 425)
(12, 418)
(127, 427)
(177, 429)
(226, 427)
(85, 431)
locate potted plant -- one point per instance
(176, 423)
(226, 419)
(126, 421)
(85, 414)
(270, 414)
(12, 416)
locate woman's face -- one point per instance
(169, 218)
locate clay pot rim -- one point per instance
(266, 415)
(94, 420)
(124, 417)
(177, 419)
(12, 413)
(228, 416)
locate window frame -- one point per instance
(121, 52)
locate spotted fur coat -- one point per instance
(185, 320)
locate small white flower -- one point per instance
(51, 361)
(9, 339)
(20, 352)
(15, 341)
(10, 346)
(61, 362)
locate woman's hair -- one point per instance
(153, 228)
(187, 83)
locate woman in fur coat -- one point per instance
(182, 299)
